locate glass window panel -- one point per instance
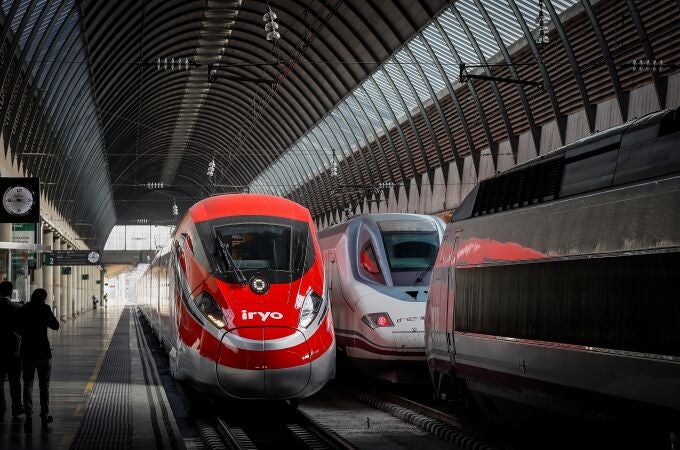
(358, 115)
(31, 22)
(373, 92)
(382, 82)
(342, 140)
(367, 107)
(506, 23)
(21, 10)
(442, 53)
(474, 20)
(347, 125)
(426, 63)
(458, 37)
(408, 65)
(321, 143)
(349, 118)
(403, 88)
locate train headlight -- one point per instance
(310, 308)
(210, 309)
(378, 320)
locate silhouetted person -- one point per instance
(10, 364)
(94, 302)
(36, 355)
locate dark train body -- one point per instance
(556, 284)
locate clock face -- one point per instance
(93, 257)
(17, 200)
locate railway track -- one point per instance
(272, 429)
(449, 428)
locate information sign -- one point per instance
(71, 258)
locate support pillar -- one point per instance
(88, 288)
(5, 232)
(83, 290)
(93, 286)
(6, 236)
(102, 272)
(36, 279)
(76, 290)
(67, 281)
(59, 283)
(48, 272)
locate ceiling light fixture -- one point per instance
(542, 26)
(270, 25)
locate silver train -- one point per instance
(378, 270)
(556, 285)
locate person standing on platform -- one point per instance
(33, 319)
(94, 302)
(10, 364)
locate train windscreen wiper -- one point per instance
(242, 280)
(422, 274)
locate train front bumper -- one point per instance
(272, 369)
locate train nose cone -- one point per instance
(253, 367)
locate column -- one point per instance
(102, 272)
(93, 287)
(48, 271)
(76, 290)
(57, 284)
(5, 232)
(36, 278)
(67, 284)
(88, 288)
(84, 289)
(6, 236)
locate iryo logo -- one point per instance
(246, 315)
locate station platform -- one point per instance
(105, 390)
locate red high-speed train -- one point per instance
(239, 301)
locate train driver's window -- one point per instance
(369, 263)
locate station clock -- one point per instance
(17, 200)
(20, 200)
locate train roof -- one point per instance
(640, 149)
(374, 219)
(230, 205)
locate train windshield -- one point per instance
(280, 249)
(256, 246)
(409, 245)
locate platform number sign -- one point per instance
(72, 257)
(20, 200)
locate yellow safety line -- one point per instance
(89, 387)
(95, 373)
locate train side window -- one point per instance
(369, 263)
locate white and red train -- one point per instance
(556, 284)
(378, 271)
(239, 301)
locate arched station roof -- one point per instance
(104, 101)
